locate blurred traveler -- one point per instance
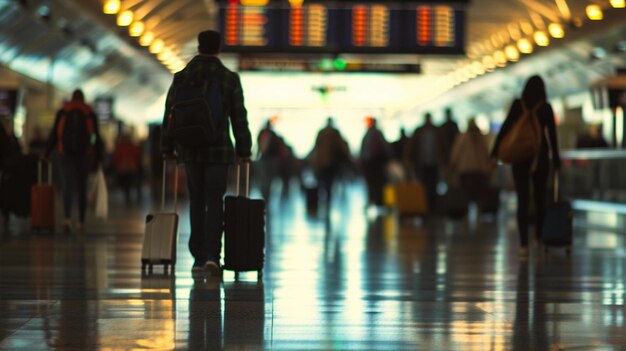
(206, 162)
(469, 159)
(375, 153)
(10, 147)
(268, 156)
(399, 145)
(330, 154)
(424, 156)
(126, 164)
(593, 139)
(77, 141)
(536, 167)
(449, 131)
(37, 144)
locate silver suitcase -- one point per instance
(160, 238)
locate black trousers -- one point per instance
(207, 186)
(522, 176)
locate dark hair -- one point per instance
(209, 42)
(78, 95)
(534, 91)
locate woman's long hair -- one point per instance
(534, 91)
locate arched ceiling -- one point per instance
(70, 43)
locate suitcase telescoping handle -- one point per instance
(175, 186)
(556, 172)
(556, 186)
(40, 172)
(247, 178)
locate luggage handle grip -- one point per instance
(175, 186)
(40, 172)
(247, 178)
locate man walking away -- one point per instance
(206, 149)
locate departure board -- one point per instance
(301, 26)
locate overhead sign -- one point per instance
(324, 65)
(343, 27)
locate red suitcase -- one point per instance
(42, 202)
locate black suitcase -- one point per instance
(454, 203)
(489, 200)
(557, 230)
(244, 231)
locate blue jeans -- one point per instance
(207, 185)
(74, 171)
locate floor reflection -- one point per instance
(352, 279)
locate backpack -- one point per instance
(523, 141)
(196, 113)
(76, 132)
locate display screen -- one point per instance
(343, 26)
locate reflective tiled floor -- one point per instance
(355, 282)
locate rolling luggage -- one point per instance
(42, 202)
(489, 200)
(411, 198)
(160, 239)
(16, 182)
(557, 230)
(244, 231)
(454, 203)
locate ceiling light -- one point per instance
(514, 31)
(157, 46)
(146, 39)
(478, 68)
(136, 29)
(594, 12)
(111, 7)
(556, 30)
(495, 41)
(511, 52)
(541, 38)
(618, 4)
(489, 63)
(165, 55)
(499, 58)
(125, 18)
(525, 46)
(527, 27)
(469, 72)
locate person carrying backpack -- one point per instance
(195, 131)
(76, 138)
(522, 143)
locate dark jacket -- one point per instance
(546, 119)
(413, 152)
(55, 140)
(233, 107)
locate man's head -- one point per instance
(209, 42)
(428, 117)
(78, 95)
(448, 113)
